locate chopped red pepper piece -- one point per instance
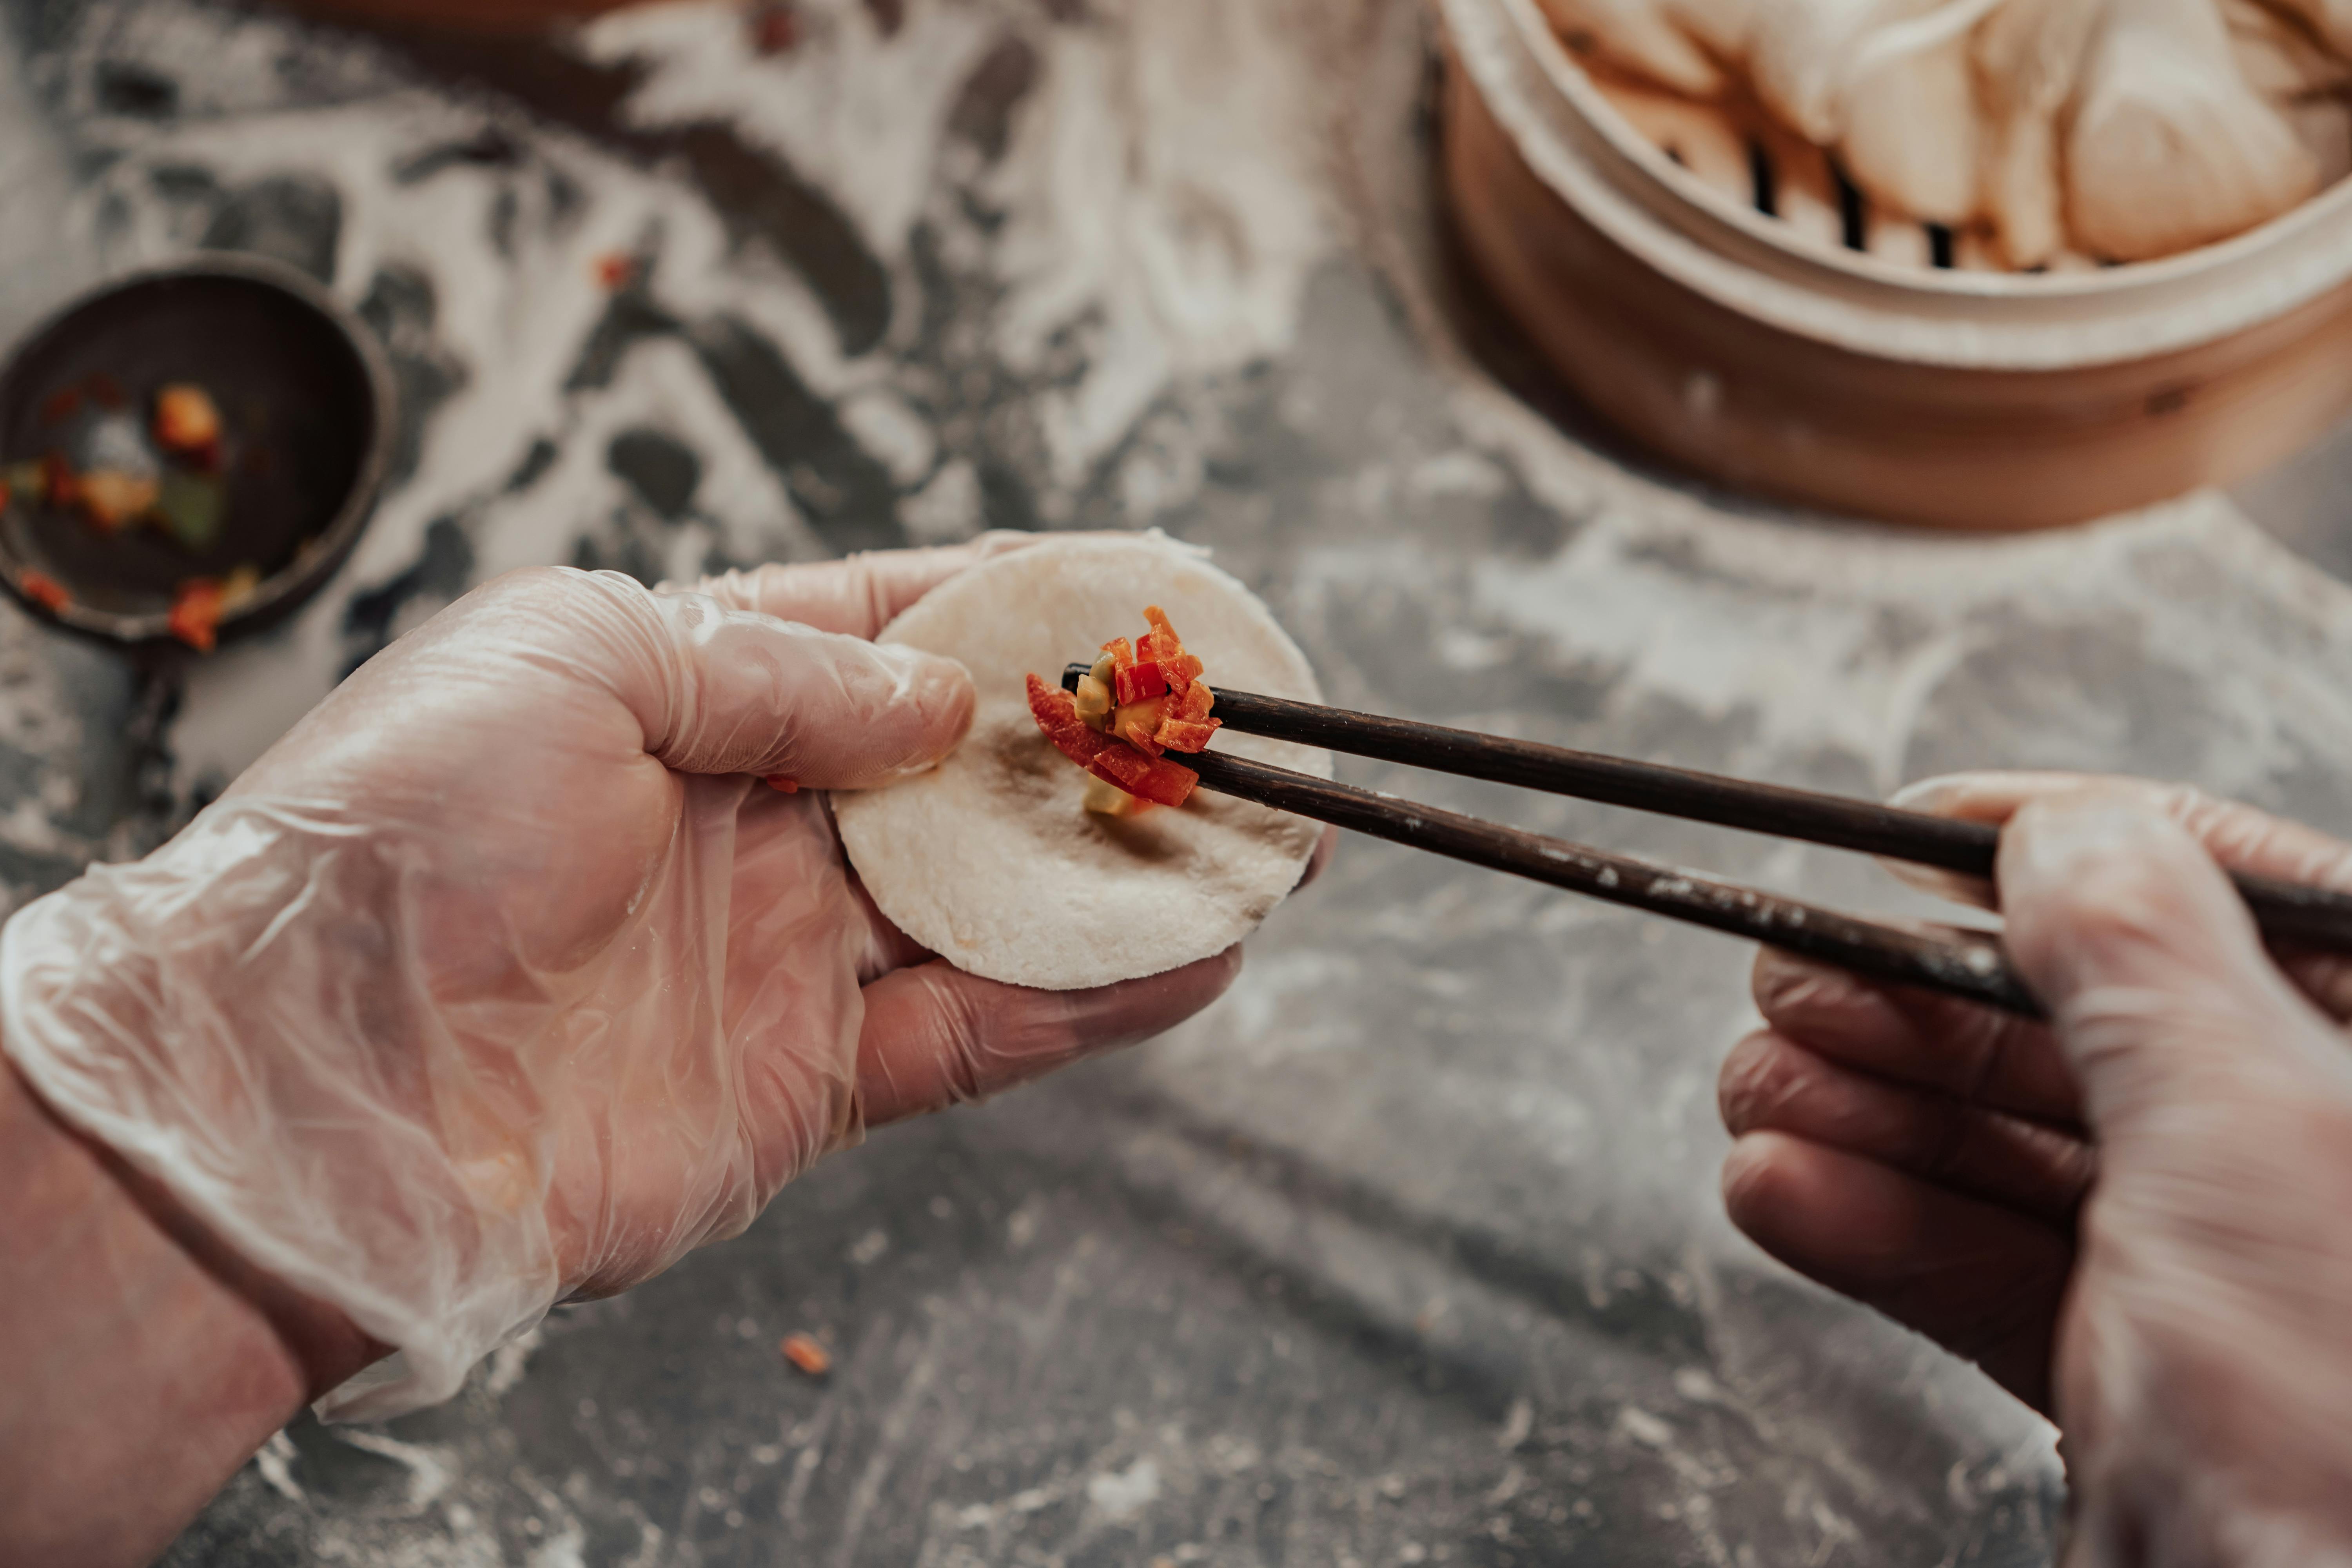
(1162, 647)
(1186, 726)
(43, 590)
(1138, 681)
(783, 784)
(1193, 702)
(1152, 778)
(1123, 653)
(1161, 641)
(1186, 734)
(196, 613)
(1057, 713)
(1120, 764)
(1168, 783)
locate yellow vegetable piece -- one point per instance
(1093, 703)
(1139, 722)
(1106, 799)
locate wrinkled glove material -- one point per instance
(333, 1023)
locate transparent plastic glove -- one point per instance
(500, 979)
(2139, 1217)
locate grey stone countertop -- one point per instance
(1409, 1250)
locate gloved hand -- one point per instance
(501, 979)
(2138, 1218)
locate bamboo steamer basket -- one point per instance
(488, 18)
(1908, 380)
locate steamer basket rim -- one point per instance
(1585, 152)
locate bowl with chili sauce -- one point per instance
(189, 452)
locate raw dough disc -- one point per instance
(990, 861)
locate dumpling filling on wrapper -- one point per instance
(993, 859)
(1139, 701)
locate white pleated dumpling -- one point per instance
(2331, 19)
(1684, 45)
(2028, 56)
(2044, 131)
(1912, 132)
(1889, 84)
(2287, 62)
(2169, 147)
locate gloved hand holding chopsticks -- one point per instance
(2136, 1217)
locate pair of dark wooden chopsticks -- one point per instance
(1966, 964)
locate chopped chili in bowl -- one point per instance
(43, 590)
(197, 610)
(188, 424)
(167, 473)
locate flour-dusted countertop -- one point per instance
(1410, 1249)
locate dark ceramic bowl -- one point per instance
(306, 409)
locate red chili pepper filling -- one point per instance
(1057, 713)
(1138, 681)
(1141, 698)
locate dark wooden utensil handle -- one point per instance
(2288, 912)
(1974, 967)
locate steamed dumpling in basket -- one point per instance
(2117, 129)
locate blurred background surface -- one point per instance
(1410, 1251)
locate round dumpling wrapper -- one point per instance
(992, 861)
